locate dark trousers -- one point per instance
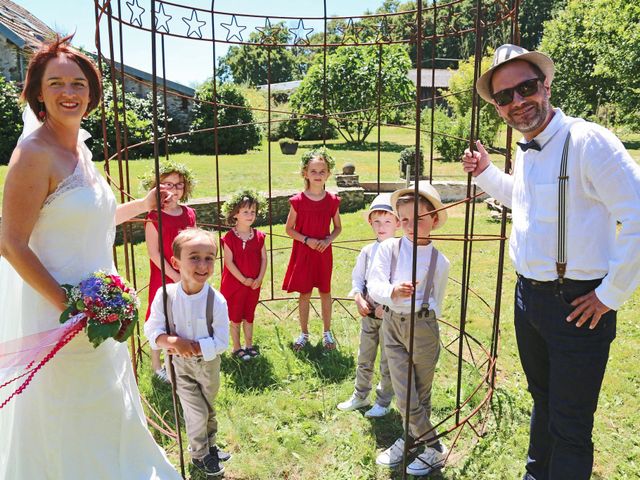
(564, 366)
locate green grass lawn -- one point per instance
(278, 413)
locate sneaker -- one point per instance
(376, 411)
(222, 455)
(209, 464)
(162, 375)
(392, 456)
(428, 461)
(328, 341)
(353, 403)
(301, 341)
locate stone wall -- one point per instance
(10, 57)
(352, 200)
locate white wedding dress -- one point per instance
(81, 417)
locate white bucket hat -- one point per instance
(508, 53)
(429, 192)
(382, 203)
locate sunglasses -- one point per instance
(524, 89)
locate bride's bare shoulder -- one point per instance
(32, 152)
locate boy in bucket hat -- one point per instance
(384, 224)
(390, 284)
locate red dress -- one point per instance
(242, 300)
(171, 226)
(309, 268)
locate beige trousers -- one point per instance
(426, 350)
(370, 338)
(197, 384)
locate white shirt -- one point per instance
(190, 317)
(362, 268)
(604, 186)
(380, 281)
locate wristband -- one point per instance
(305, 240)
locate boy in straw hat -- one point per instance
(390, 284)
(572, 181)
(384, 224)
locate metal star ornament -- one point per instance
(233, 29)
(162, 19)
(305, 32)
(269, 33)
(136, 12)
(195, 25)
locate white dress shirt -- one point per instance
(190, 318)
(380, 281)
(363, 267)
(603, 187)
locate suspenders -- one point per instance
(210, 299)
(563, 180)
(430, 273)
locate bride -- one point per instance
(81, 417)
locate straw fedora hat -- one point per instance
(428, 191)
(508, 53)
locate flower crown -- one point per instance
(241, 196)
(167, 167)
(322, 153)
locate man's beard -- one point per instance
(525, 126)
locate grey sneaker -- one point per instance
(392, 456)
(209, 465)
(428, 461)
(353, 403)
(222, 455)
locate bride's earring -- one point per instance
(42, 114)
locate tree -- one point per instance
(352, 88)
(595, 45)
(233, 110)
(248, 64)
(533, 15)
(10, 119)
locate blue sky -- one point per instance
(188, 61)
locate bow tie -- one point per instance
(533, 145)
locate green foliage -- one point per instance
(322, 153)
(595, 45)
(249, 64)
(533, 15)
(352, 86)
(408, 157)
(10, 119)
(286, 141)
(233, 110)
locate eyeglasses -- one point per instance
(524, 89)
(171, 186)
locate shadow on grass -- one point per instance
(632, 145)
(332, 366)
(365, 147)
(252, 375)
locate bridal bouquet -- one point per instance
(108, 306)
(103, 305)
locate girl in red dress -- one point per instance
(310, 216)
(245, 263)
(178, 179)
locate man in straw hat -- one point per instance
(571, 182)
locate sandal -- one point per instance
(241, 354)
(300, 342)
(252, 351)
(328, 342)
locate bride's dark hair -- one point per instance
(38, 64)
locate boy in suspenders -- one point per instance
(198, 333)
(384, 224)
(390, 285)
